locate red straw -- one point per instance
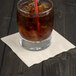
(37, 19)
(36, 10)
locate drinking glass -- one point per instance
(35, 29)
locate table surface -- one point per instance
(64, 23)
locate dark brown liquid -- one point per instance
(35, 27)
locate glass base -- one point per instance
(35, 45)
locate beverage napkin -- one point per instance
(58, 45)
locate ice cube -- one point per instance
(45, 5)
(40, 8)
(25, 8)
(29, 7)
(31, 4)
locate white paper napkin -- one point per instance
(58, 44)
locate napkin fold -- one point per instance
(61, 65)
(58, 45)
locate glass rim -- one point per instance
(26, 12)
